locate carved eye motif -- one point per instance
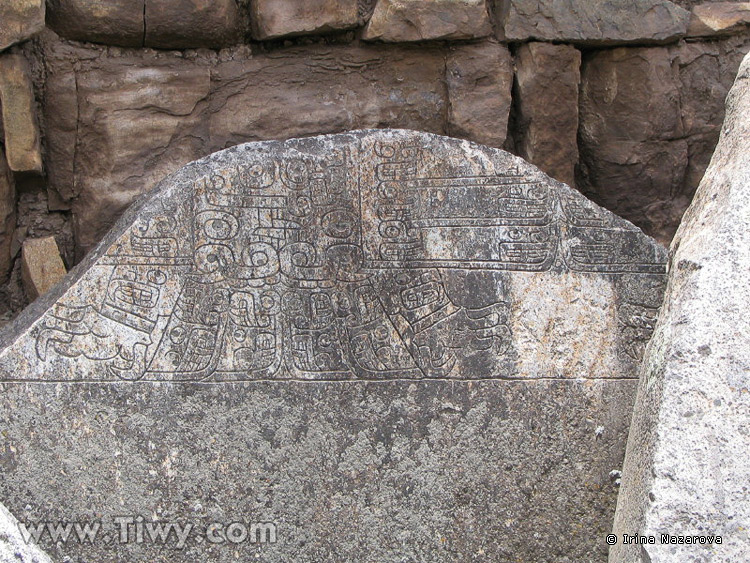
(156, 277)
(177, 334)
(296, 173)
(217, 225)
(338, 223)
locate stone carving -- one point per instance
(373, 255)
(368, 337)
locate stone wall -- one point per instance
(623, 100)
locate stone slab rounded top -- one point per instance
(379, 254)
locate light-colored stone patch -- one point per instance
(568, 332)
(278, 18)
(41, 266)
(22, 140)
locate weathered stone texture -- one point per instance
(479, 78)
(22, 144)
(686, 469)
(20, 20)
(172, 24)
(127, 121)
(14, 548)
(7, 215)
(41, 266)
(547, 81)
(345, 335)
(192, 23)
(719, 18)
(586, 22)
(416, 20)
(343, 88)
(278, 18)
(114, 22)
(649, 119)
(135, 126)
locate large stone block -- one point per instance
(686, 469)
(192, 23)
(719, 18)
(480, 79)
(278, 18)
(22, 144)
(416, 20)
(124, 122)
(649, 121)
(7, 215)
(633, 152)
(41, 266)
(354, 336)
(113, 22)
(547, 80)
(135, 125)
(169, 24)
(21, 19)
(342, 88)
(598, 23)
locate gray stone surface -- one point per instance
(686, 470)
(390, 344)
(14, 547)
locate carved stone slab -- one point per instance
(373, 255)
(340, 334)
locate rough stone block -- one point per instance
(479, 78)
(41, 266)
(21, 19)
(686, 469)
(649, 121)
(7, 215)
(719, 18)
(593, 23)
(113, 22)
(278, 18)
(179, 24)
(135, 126)
(22, 145)
(135, 119)
(633, 152)
(343, 336)
(416, 20)
(547, 80)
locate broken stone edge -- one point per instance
(171, 190)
